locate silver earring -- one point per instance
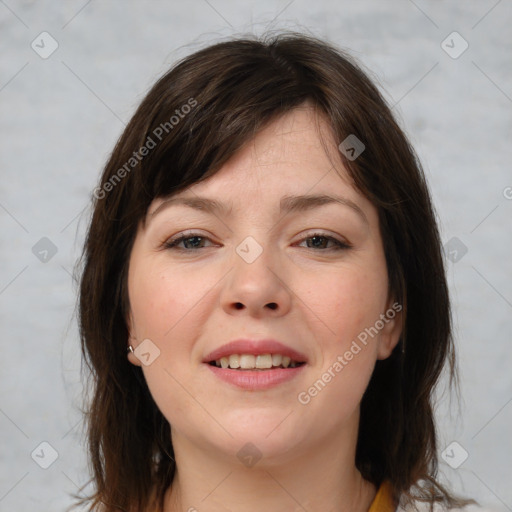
(129, 349)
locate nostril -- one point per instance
(271, 305)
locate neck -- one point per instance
(320, 478)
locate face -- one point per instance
(272, 258)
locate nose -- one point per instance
(257, 288)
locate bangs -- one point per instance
(193, 132)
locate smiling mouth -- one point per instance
(249, 362)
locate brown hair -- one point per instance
(190, 123)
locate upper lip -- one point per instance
(255, 347)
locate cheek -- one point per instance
(346, 301)
(336, 389)
(162, 307)
(158, 300)
(351, 300)
(337, 392)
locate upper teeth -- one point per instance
(249, 361)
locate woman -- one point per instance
(263, 304)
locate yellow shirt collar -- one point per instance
(383, 501)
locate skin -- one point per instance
(193, 301)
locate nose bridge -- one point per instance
(254, 284)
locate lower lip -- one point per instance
(255, 379)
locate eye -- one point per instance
(191, 241)
(320, 240)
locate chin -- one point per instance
(274, 440)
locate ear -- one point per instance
(391, 331)
(132, 342)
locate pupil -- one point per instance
(196, 238)
(317, 239)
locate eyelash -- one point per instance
(173, 244)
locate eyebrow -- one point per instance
(307, 202)
(288, 204)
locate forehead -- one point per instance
(295, 154)
(300, 144)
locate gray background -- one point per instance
(60, 117)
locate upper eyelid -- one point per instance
(318, 232)
(191, 233)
